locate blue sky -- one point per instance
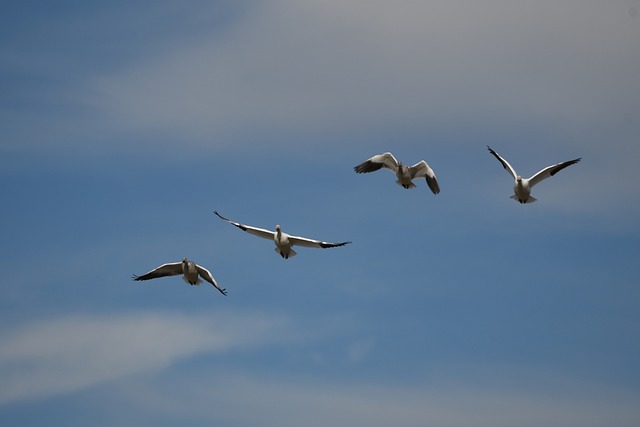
(123, 125)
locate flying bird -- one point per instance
(189, 269)
(405, 174)
(283, 241)
(522, 186)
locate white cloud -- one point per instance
(328, 64)
(243, 400)
(70, 353)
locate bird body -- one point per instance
(404, 174)
(522, 191)
(522, 186)
(284, 242)
(191, 273)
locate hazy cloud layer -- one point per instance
(246, 400)
(69, 353)
(330, 64)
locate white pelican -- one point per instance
(189, 269)
(283, 241)
(405, 174)
(522, 186)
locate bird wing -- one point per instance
(169, 269)
(422, 169)
(206, 275)
(550, 171)
(505, 164)
(260, 232)
(311, 243)
(384, 160)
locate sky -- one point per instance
(124, 125)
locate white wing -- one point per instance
(206, 275)
(550, 171)
(422, 170)
(260, 232)
(169, 269)
(311, 243)
(384, 160)
(505, 164)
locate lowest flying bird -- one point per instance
(283, 241)
(189, 270)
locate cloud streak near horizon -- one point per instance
(69, 353)
(79, 353)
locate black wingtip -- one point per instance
(564, 165)
(368, 166)
(335, 245)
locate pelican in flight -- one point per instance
(283, 241)
(189, 270)
(522, 186)
(405, 174)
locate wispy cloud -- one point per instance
(246, 400)
(328, 63)
(69, 353)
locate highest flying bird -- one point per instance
(283, 241)
(405, 174)
(522, 186)
(189, 270)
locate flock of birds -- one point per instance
(193, 273)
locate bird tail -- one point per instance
(292, 253)
(409, 185)
(198, 281)
(530, 200)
